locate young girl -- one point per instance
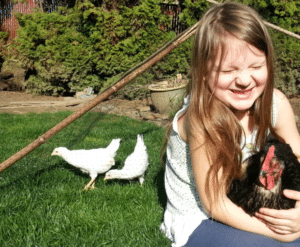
(230, 110)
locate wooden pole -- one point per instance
(118, 85)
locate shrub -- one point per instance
(93, 46)
(176, 62)
(86, 45)
(7, 49)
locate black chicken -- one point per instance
(266, 174)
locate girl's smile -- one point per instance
(242, 94)
(242, 77)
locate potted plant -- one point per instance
(167, 95)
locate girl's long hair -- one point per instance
(221, 130)
(214, 121)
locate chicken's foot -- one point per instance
(90, 185)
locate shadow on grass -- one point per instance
(93, 120)
(33, 176)
(161, 192)
(158, 183)
(78, 172)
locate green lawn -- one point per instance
(42, 203)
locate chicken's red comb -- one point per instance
(269, 157)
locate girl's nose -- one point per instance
(243, 80)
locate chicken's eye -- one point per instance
(262, 173)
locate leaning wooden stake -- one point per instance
(119, 84)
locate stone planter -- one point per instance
(167, 100)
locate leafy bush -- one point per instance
(7, 49)
(192, 11)
(176, 62)
(93, 46)
(86, 45)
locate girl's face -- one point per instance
(243, 76)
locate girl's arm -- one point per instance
(285, 221)
(224, 210)
(285, 125)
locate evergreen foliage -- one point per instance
(192, 11)
(95, 42)
(86, 45)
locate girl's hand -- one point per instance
(283, 221)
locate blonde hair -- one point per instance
(214, 121)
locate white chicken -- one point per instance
(93, 161)
(135, 164)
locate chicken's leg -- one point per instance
(93, 185)
(141, 180)
(89, 184)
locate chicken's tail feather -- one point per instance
(113, 146)
(140, 145)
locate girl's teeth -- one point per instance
(239, 91)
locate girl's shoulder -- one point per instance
(182, 127)
(286, 127)
(180, 120)
(282, 104)
(285, 114)
(279, 95)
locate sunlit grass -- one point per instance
(41, 198)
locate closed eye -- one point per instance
(226, 71)
(256, 67)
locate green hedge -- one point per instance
(93, 46)
(86, 45)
